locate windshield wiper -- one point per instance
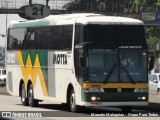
(109, 73)
(131, 61)
(128, 75)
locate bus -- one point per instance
(79, 60)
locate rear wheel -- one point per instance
(24, 99)
(32, 102)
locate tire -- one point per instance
(65, 105)
(126, 109)
(32, 102)
(72, 102)
(24, 100)
(158, 91)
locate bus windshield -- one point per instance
(118, 65)
(115, 35)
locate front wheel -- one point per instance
(158, 91)
(126, 109)
(24, 100)
(73, 106)
(32, 102)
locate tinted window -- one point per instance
(156, 77)
(151, 78)
(16, 38)
(115, 35)
(53, 37)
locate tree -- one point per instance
(153, 38)
(152, 43)
(71, 6)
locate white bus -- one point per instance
(82, 59)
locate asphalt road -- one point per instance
(49, 110)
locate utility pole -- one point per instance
(6, 24)
(47, 2)
(30, 2)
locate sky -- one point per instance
(10, 17)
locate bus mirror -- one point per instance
(82, 62)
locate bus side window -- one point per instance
(67, 39)
(15, 40)
(25, 40)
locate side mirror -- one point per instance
(82, 61)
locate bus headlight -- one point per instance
(141, 90)
(93, 98)
(94, 89)
(143, 98)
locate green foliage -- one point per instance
(152, 32)
(119, 6)
(153, 38)
(71, 6)
(152, 42)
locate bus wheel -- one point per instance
(126, 109)
(32, 102)
(24, 100)
(72, 101)
(158, 91)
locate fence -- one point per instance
(16, 4)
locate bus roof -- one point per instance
(82, 18)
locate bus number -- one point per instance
(36, 10)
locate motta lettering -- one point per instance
(60, 59)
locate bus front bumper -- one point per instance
(115, 104)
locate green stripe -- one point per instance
(43, 57)
(33, 57)
(32, 24)
(25, 56)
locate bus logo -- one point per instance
(60, 59)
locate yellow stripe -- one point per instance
(25, 76)
(115, 85)
(32, 72)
